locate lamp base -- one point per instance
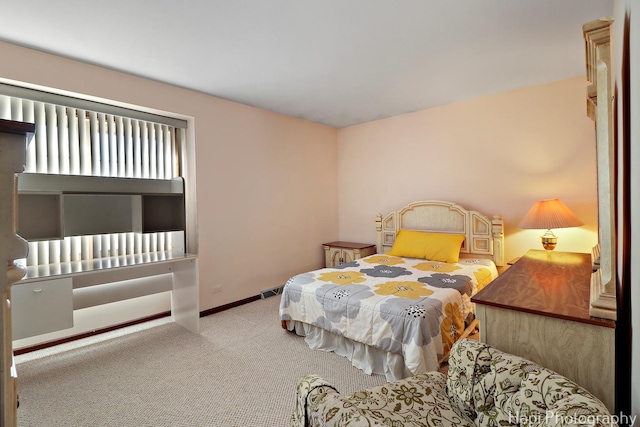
(549, 240)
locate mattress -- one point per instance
(408, 310)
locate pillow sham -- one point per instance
(442, 247)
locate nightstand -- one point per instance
(539, 309)
(336, 253)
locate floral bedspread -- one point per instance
(399, 305)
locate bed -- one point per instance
(399, 311)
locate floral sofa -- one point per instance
(484, 387)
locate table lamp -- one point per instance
(548, 214)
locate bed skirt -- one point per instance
(370, 360)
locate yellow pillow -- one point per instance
(444, 247)
(432, 246)
(410, 244)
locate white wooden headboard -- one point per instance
(484, 237)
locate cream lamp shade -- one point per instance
(548, 214)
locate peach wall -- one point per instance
(497, 154)
(266, 183)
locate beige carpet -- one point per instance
(240, 371)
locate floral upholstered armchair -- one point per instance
(484, 387)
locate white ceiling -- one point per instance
(337, 62)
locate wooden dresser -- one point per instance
(539, 309)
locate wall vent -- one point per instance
(271, 292)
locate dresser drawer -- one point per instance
(41, 307)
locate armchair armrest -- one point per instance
(415, 401)
(311, 390)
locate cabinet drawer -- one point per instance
(41, 307)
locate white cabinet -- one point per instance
(44, 300)
(600, 107)
(14, 137)
(337, 253)
(41, 307)
(55, 206)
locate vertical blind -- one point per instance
(73, 141)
